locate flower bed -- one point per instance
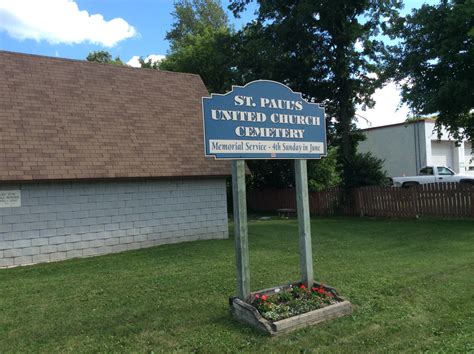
(293, 301)
(286, 308)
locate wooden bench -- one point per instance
(286, 212)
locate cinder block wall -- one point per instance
(75, 219)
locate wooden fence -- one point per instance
(440, 199)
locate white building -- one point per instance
(406, 147)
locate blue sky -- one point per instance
(126, 28)
(151, 19)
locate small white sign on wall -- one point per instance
(10, 199)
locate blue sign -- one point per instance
(263, 120)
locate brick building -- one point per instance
(100, 158)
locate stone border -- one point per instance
(245, 313)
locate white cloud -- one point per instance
(60, 21)
(153, 57)
(386, 110)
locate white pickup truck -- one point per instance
(431, 174)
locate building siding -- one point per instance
(62, 220)
(405, 148)
(396, 146)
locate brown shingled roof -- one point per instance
(68, 119)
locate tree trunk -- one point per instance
(345, 114)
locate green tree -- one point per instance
(271, 174)
(103, 57)
(194, 17)
(435, 64)
(201, 42)
(148, 64)
(367, 170)
(324, 173)
(329, 50)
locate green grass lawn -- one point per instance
(412, 282)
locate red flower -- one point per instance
(264, 297)
(314, 289)
(321, 290)
(302, 287)
(257, 296)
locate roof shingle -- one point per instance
(68, 119)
